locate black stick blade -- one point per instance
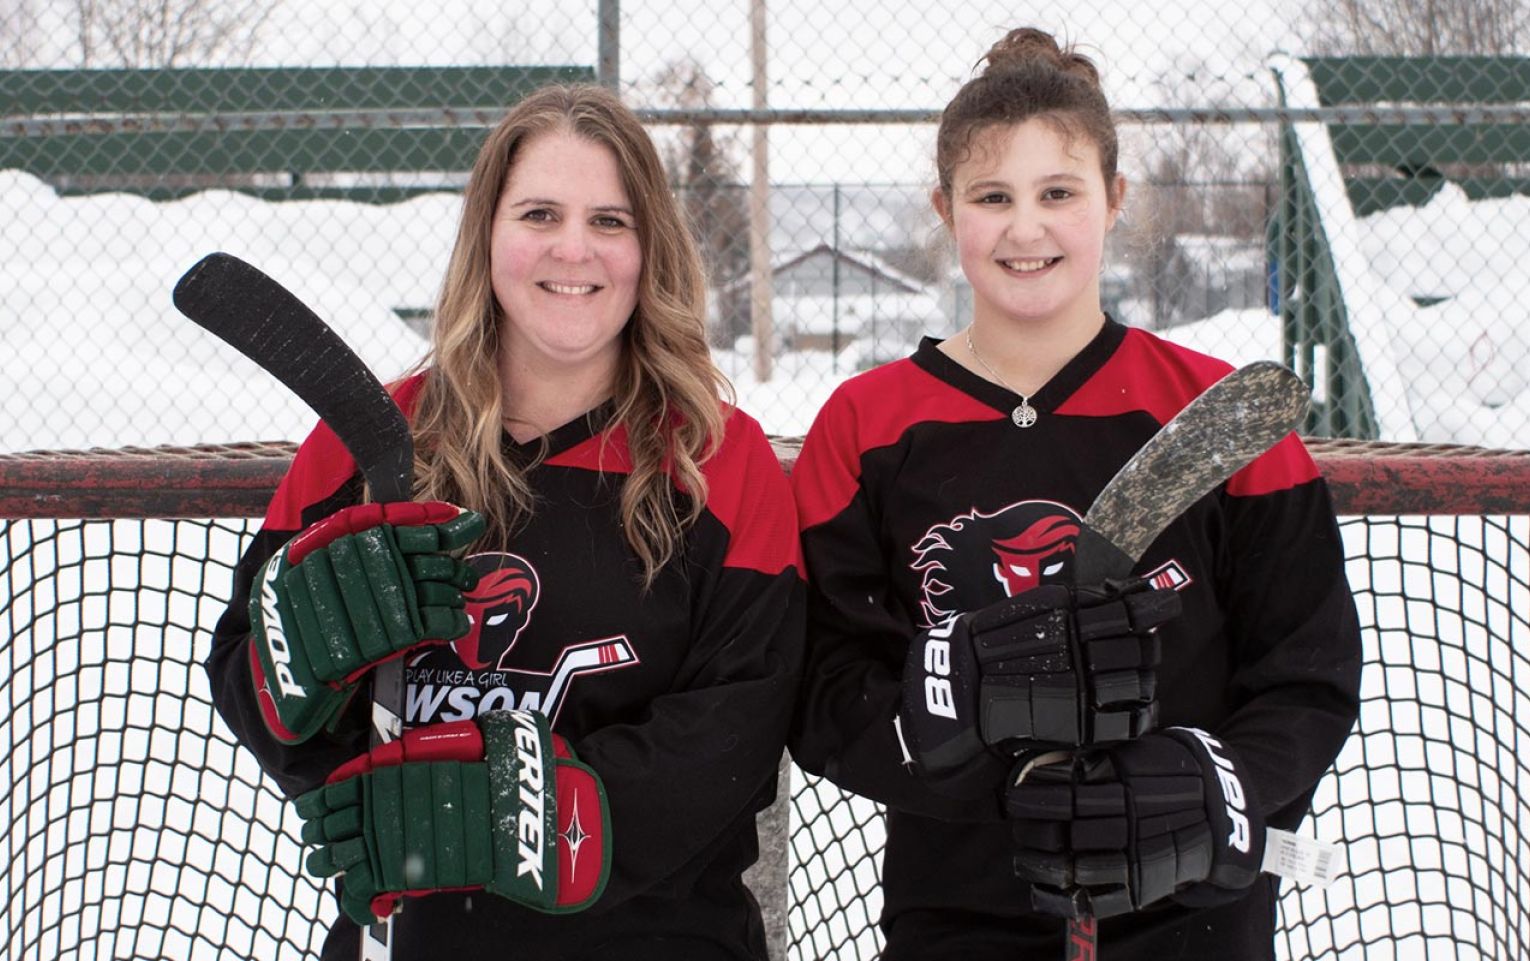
(264, 321)
(1216, 435)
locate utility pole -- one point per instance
(759, 206)
(608, 67)
(773, 823)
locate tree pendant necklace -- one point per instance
(1022, 416)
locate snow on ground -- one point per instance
(93, 353)
(1464, 359)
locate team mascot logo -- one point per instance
(976, 559)
(497, 674)
(499, 608)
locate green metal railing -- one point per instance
(168, 132)
(1387, 162)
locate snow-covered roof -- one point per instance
(1228, 253)
(866, 260)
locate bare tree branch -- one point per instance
(168, 33)
(1419, 27)
(18, 31)
(702, 166)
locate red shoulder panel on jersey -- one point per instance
(748, 492)
(1146, 373)
(868, 411)
(406, 393)
(606, 452)
(1286, 465)
(1150, 374)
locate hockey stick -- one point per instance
(1217, 434)
(265, 322)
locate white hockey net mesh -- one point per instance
(133, 827)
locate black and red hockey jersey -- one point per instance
(679, 697)
(919, 498)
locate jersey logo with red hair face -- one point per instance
(501, 674)
(976, 559)
(498, 609)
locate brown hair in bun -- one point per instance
(1028, 75)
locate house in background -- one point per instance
(854, 305)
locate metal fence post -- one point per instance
(608, 68)
(768, 878)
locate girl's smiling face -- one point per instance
(1029, 209)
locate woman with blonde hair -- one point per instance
(595, 592)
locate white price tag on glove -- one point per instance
(1304, 860)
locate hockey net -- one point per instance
(133, 827)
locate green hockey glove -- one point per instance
(500, 804)
(360, 587)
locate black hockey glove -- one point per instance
(1115, 829)
(1054, 666)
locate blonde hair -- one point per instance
(667, 390)
(1028, 75)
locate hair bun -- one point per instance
(1028, 46)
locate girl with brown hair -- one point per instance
(1049, 750)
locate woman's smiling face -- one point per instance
(564, 255)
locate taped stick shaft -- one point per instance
(268, 324)
(1216, 435)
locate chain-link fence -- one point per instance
(1378, 251)
(1360, 219)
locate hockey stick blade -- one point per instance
(1216, 435)
(264, 321)
(268, 324)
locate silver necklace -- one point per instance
(1025, 414)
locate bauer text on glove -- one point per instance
(1054, 666)
(1117, 828)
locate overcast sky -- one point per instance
(869, 53)
(900, 54)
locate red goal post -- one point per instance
(236, 480)
(132, 826)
